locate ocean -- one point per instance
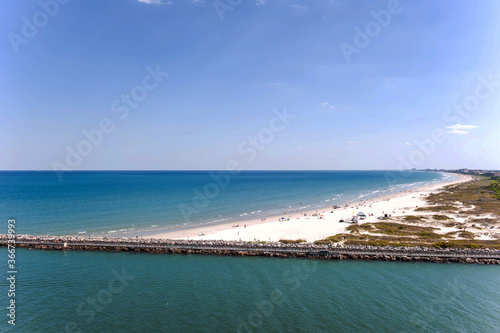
(78, 291)
(129, 203)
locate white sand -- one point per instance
(312, 228)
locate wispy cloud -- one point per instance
(260, 2)
(299, 9)
(460, 129)
(458, 132)
(328, 105)
(409, 144)
(353, 144)
(389, 83)
(156, 2)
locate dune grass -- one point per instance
(481, 195)
(292, 241)
(441, 217)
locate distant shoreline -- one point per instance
(309, 227)
(194, 228)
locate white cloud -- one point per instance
(299, 9)
(409, 144)
(353, 144)
(328, 105)
(260, 2)
(460, 129)
(455, 131)
(156, 2)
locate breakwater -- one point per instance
(270, 249)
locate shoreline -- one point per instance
(312, 225)
(179, 230)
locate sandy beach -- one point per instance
(315, 225)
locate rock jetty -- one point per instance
(268, 249)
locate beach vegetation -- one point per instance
(391, 240)
(414, 218)
(441, 217)
(437, 208)
(292, 241)
(466, 234)
(444, 245)
(354, 228)
(429, 234)
(494, 187)
(467, 244)
(485, 222)
(392, 228)
(359, 227)
(468, 198)
(479, 196)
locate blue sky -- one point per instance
(420, 90)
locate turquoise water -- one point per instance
(77, 291)
(141, 202)
(193, 293)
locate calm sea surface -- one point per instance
(117, 203)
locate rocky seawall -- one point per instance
(276, 249)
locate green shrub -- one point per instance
(441, 217)
(466, 234)
(428, 234)
(444, 245)
(292, 241)
(414, 218)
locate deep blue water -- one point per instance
(140, 202)
(194, 293)
(77, 291)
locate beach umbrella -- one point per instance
(282, 218)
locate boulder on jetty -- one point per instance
(270, 249)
